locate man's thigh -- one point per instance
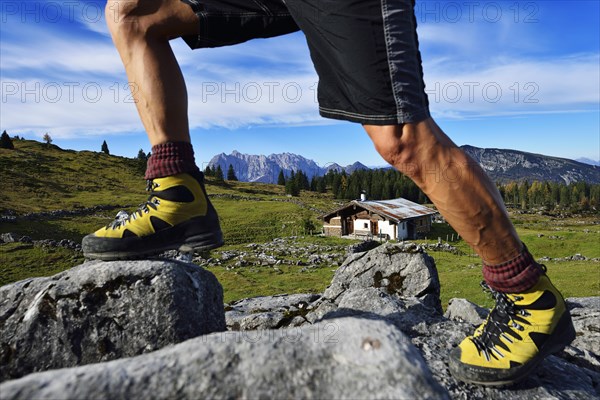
(365, 52)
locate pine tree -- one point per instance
(291, 185)
(6, 142)
(575, 195)
(208, 171)
(104, 148)
(595, 197)
(314, 182)
(231, 174)
(555, 194)
(376, 187)
(336, 186)
(523, 188)
(219, 174)
(141, 161)
(321, 185)
(304, 183)
(47, 139)
(294, 189)
(565, 196)
(301, 181)
(281, 178)
(397, 189)
(353, 191)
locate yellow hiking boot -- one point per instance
(520, 331)
(177, 213)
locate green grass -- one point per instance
(576, 278)
(460, 277)
(568, 244)
(265, 281)
(72, 228)
(251, 221)
(20, 261)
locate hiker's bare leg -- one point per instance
(141, 30)
(454, 182)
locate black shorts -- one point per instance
(365, 52)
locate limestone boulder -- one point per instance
(101, 311)
(345, 358)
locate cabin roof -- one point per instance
(395, 210)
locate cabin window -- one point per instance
(366, 225)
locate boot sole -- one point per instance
(196, 246)
(564, 334)
(134, 248)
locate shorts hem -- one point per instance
(370, 119)
(225, 28)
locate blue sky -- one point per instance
(518, 74)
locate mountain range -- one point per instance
(265, 169)
(589, 161)
(502, 165)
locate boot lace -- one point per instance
(505, 321)
(122, 218)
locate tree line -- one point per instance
(217, 173)
(377, 184)
(579, 196)
(385, 184)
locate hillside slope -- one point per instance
(37, 177)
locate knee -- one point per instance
(127, 19)
(398, 146)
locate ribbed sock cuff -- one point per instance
(169, 159)
(514, 276)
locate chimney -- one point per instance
(363, 196)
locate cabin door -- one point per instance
(349, 226)
(374, 228)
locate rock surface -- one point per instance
(356, 291)
(402, 271)
(365, 279)
(585, 349)
(343, 358)
(101, 311)
(332, 347)
(268, 312)
(464, 310)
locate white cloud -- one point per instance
(269, 82)
(512, 87)
(60, 57)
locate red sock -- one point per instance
(514, 276)
(169, 159)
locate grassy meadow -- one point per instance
(41, 178)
